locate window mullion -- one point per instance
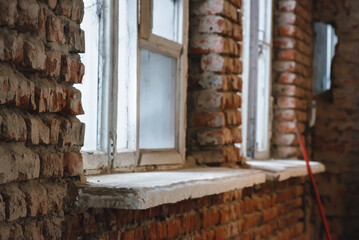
(113, 74)
(146, 9)
(161, 45)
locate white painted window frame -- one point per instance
(109, 159)
(250, 84)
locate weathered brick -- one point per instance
(75, 37)
(73, 164)
(33, 230)
(18, 163)
(13, 126)
(55, 30)
(73, 102)
(15, 203)
(71, 132)
(64, 8)
(53, 63)
(208, 119)
(55, 196)
(217, 63)
(2, 209)
(208, 43)
(8, 12)
(28, 15)
(12, 46)
(38, 132)
(216, 7)
(34, 55)
(52, 228)
(72, 70)
(214, 99)
(78, 8)
(51, 165)
(11, 231)
(36, 198)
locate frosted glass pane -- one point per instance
(157, 101)
(165, 19)
(127, 76)
(89, 88)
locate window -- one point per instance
(257, 70)
(134, 89)
(325, 41)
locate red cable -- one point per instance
(319, 202)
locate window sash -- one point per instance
(108, 157)
(257, 39)
(139, 157)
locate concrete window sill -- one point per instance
(149, 189)
(144, 190)
(280, 170)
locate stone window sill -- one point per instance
(281, 170)
(149, 189)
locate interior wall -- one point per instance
(336, 141)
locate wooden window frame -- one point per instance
(109, 159)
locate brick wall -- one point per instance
(336, 131)
(292, 74)
(40, 136)
(269, 211)
(214, 81)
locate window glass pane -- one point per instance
(127, 75)
(89, 87)
(157, 101)
(265, 21)
(263, 99)
(165, 19)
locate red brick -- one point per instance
(72, 70)
(210, 218)
(55, 30)
(73, 102)
(201, 44)
(291, 102)
(174, 228)
(53, 63)
(38, 132)
(191, 223)
(34, 56)
(51, 165)
(208, 119)
(73, 164)
(18, 163)
(217, 7)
